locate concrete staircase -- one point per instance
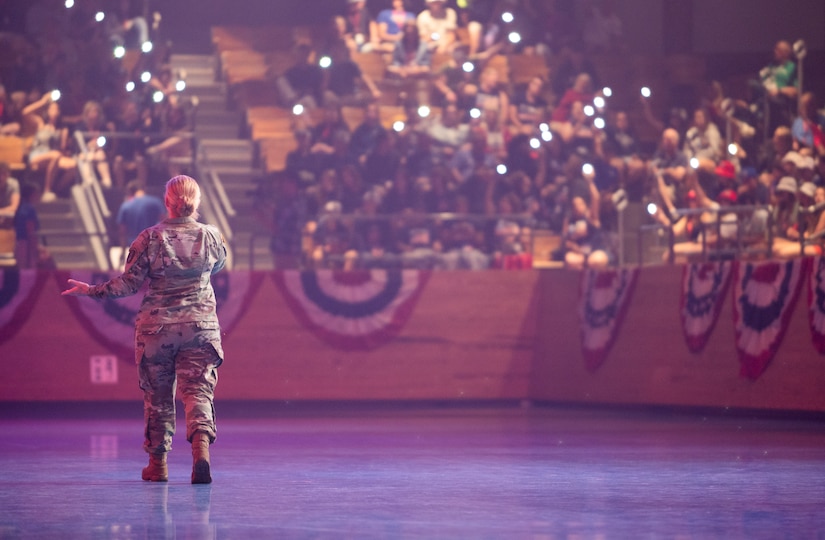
(218, 128)
(61, 229)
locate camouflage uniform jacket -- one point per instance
(177, 256)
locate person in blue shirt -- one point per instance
(138, 212)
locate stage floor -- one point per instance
(408, 472)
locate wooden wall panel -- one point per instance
(650, 363)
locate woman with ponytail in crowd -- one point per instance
(177, 336)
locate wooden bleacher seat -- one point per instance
(439, 61)
(266, 112)
(262, 129)
(13, 150)
(523, 67)
(278, 62)
(371, 64)
(255, 94)
(243, 65)
(259, 38)
(544, 244)
(352, 116)
(501, 64)
(390, 113)
(273, 151)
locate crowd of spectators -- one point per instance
(474, 165)
(555, 153)
(87, 88)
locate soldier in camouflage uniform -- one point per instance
(177, 336)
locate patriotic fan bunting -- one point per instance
(764, 297)
(352, 310)
(704, 286)
(603, 299)
(111, 321)
(816, 303)
(19, 290)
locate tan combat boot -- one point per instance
(156, 471)
(201, 473)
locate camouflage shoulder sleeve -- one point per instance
(137, 269)
(220, 248)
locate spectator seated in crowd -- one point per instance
(344, 83)
(389, 25)
(437, 26)
(410, 55)
(357, 27)
(50, 146)
(464, 123)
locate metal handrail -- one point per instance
(431, 218)
(704, 228)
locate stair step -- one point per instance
(193, 60)
(208, 132)
(235, 169)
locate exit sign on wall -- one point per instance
(103, 369)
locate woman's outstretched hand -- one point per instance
(79, 288)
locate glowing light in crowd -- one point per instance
(535, 144)
(325, 62)
(69, 4)
(99, 16)
(180, 86)
(547, 136)
(587, 169)
(599, 123)
(599, 102)
(55, 95)
(468, 67)
(145, 77)
(651, 208)
(398, 126)
(119, 51)
(423, 111)
(589, 110)
(157, 97)
(645, 91)
(435, 36)
(146, 47)
(101, 141)
(475, 113)
(607, 91)
(733, 149)
(130, 86)
(544, 127)
(501, 168)
(514, 37)
(694, 163)
(507, 17)
(298, 109)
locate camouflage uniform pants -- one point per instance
(182, 355)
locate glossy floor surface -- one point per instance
(503, 472)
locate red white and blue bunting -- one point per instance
(603, 299)
(704, 286)
(763, 300)
(352, 310)
(19, 290)
(816, 303)
(111, 321)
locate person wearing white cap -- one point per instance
(792, 162)
(785, 212)
(812, 222)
